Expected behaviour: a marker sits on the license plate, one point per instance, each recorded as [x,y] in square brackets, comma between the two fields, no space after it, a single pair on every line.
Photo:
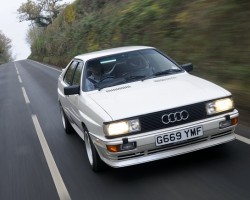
[178,136]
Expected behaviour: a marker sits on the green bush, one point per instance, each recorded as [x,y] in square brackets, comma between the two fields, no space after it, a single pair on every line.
[214,35]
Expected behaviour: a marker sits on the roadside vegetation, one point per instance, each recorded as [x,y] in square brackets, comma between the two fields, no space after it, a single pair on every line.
[212,34]
[5,46]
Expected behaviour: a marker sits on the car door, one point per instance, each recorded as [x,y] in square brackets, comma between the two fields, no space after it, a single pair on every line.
[74,99]
[67,81]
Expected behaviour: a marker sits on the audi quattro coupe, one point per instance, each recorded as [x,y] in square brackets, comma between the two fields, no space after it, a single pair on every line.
[133,105]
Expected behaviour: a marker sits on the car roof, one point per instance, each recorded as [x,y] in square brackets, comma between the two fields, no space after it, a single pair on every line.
[97,54]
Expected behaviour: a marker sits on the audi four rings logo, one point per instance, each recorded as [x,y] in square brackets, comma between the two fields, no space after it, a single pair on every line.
[174,117]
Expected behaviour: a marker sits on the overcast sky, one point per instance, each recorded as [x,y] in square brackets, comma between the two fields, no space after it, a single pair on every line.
[13,29]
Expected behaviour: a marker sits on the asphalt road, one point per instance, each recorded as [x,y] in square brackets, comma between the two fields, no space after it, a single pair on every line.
[39,161]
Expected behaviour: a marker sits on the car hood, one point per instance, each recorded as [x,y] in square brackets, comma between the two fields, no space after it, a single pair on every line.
[152,95]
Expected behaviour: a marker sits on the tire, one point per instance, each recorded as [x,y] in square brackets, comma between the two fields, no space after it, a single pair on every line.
[66,124]
[94,159]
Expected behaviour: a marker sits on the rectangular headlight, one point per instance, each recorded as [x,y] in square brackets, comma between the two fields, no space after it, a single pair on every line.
[219,105]
[122,127]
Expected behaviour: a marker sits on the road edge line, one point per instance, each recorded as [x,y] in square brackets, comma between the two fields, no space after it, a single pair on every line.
[60,186]
[242,139]
[45,65]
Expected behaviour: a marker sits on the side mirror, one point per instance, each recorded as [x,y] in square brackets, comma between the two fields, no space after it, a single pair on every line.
[187,67]
[71,90]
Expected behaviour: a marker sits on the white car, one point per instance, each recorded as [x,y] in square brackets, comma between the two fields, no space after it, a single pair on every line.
[144,107]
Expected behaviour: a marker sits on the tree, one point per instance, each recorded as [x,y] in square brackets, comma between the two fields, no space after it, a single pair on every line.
[33,34]
[69,14]
[5,46]
[41,12]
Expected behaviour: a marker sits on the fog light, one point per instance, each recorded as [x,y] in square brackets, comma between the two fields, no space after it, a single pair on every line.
[229,122]
[225,124]
[128,146]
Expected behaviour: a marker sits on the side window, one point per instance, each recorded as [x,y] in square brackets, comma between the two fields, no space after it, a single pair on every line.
[70,72]
[77,75]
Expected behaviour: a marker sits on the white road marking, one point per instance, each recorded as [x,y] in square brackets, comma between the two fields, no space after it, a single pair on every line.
[15,64]
[60,186]
[20,80]
[45,65]
[16,67]
[57,178]
[25,96]
[242,139]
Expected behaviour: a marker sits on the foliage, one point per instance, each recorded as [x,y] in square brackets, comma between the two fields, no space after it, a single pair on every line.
[5,46]
[41,12]
[69,14]
[213,34]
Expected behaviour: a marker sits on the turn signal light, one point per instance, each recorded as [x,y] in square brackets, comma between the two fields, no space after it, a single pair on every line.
[234,121]
[113,148]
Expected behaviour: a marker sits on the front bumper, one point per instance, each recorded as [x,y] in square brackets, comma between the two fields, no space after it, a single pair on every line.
[146,149]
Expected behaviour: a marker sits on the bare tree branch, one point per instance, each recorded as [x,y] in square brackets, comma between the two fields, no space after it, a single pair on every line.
[41,12]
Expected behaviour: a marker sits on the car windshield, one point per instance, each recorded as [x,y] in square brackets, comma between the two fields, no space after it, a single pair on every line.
[126,67]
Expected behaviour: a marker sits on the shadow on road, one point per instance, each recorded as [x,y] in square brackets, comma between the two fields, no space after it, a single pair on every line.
[168,167]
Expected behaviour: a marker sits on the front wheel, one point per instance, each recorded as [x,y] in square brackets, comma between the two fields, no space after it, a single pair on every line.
[94,159]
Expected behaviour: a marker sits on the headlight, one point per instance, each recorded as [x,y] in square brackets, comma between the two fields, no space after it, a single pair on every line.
[122,127]
[220,105]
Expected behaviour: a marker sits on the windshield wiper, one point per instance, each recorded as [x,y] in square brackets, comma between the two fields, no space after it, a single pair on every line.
[114,82]
[168,71]
[130,78]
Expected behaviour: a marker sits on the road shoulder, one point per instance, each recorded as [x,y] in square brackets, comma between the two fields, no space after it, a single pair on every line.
[243,131]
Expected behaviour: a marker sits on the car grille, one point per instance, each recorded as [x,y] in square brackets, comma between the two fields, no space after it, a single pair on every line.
[153,121]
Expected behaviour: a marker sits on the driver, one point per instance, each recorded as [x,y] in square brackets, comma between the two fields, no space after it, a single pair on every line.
[96,70]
